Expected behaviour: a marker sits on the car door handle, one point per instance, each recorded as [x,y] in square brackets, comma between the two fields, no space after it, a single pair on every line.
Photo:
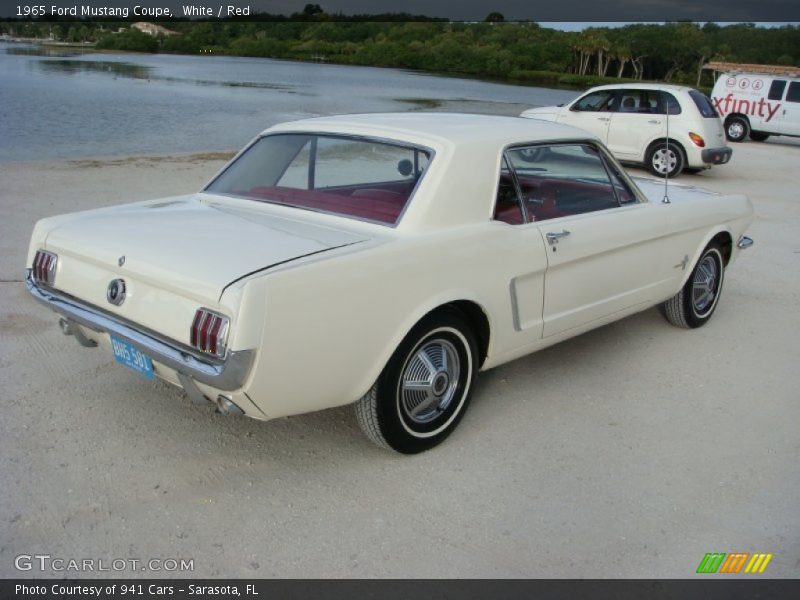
[603,118]
[554,236]
[654,121]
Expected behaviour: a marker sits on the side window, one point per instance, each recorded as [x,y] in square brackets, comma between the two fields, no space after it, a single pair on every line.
[595,102]
[507,207]
[559,180]
[793,95]
[776,89]
[667,103]
[630,101]
[639,101]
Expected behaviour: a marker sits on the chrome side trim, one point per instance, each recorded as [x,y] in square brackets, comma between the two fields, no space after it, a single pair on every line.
[225,375]
[744,242]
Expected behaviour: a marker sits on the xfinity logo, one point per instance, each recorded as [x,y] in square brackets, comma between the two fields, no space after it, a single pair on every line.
[115,293]
[762,108]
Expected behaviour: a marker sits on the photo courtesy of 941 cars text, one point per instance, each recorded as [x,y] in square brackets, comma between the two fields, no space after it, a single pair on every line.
[295,291]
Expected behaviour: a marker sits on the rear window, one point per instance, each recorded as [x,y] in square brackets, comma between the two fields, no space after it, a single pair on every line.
[353,177]
[704,104]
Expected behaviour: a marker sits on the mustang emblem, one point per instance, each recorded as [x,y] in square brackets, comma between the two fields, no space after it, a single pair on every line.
[115,293]
[121,260]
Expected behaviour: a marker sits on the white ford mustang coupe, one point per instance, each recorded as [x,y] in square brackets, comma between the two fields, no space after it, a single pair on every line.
[382,259]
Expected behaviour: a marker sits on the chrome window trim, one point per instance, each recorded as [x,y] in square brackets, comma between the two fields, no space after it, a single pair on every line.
[226,375]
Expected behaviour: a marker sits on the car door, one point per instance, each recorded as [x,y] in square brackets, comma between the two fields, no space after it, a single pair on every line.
[591,113]
[603,241]
[637,120]
[788,115]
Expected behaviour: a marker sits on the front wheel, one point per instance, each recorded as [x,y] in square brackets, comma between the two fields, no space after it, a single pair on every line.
[424,390]
[693,306]
[736,129]
[665,160]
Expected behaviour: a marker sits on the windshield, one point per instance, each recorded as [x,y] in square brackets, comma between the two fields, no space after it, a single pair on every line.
[353,177]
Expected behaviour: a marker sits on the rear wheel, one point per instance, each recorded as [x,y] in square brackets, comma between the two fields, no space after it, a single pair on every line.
[665,159]
[425,388]
[758,136]
[736,129]
[693,306]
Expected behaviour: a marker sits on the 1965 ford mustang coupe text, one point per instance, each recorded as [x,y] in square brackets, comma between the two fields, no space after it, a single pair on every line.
[384,260]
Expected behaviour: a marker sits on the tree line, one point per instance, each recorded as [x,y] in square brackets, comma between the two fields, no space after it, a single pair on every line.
[522,52]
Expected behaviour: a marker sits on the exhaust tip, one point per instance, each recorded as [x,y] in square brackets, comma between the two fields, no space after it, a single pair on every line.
[227,407]
[66,328]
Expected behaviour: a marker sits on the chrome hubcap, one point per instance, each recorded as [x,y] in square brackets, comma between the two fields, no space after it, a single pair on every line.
[429,381]
[704,287]
[735,130]
[664,161]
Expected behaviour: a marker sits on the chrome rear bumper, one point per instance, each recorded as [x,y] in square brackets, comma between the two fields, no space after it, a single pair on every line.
[226,375]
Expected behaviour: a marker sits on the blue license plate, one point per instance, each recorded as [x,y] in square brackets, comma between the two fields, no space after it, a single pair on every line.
[131,357]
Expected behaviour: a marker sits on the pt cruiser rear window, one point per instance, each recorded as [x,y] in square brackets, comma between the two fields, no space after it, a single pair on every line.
[704,104]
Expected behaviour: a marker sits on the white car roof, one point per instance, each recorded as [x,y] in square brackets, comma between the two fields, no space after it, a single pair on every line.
[643,86]
[435,129]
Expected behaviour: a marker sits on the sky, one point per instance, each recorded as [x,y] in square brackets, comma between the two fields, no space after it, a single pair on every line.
[574,11]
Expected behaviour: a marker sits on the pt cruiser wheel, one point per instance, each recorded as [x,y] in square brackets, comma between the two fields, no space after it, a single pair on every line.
[665,159]
[693,306]
[424,390]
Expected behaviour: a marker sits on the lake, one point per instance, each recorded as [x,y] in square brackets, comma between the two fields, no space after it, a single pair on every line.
[61,103]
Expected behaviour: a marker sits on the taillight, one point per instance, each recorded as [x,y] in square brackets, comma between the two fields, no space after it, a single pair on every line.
[44,267]
[209,331]
[697,139]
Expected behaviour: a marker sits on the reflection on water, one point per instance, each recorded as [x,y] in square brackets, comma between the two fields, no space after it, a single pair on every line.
[126,69]
[118,69]
[234,84]
[70,103]
[41,51]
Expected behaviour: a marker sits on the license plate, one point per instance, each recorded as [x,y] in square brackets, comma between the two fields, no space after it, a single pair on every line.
[131,357]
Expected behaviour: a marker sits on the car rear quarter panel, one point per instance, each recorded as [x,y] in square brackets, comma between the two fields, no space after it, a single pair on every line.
[329,325]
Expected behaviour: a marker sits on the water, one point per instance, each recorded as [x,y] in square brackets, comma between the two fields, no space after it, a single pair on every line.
[65,104]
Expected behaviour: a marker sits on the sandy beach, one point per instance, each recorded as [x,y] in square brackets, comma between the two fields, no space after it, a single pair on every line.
[630,451]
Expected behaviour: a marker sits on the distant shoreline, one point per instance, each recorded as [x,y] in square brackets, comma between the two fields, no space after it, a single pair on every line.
[544,79]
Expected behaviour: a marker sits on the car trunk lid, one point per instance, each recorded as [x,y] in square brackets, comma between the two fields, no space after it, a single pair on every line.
[191,244]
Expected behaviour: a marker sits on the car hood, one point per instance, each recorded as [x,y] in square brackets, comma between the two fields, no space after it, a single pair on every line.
[545,113]
[191,244]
